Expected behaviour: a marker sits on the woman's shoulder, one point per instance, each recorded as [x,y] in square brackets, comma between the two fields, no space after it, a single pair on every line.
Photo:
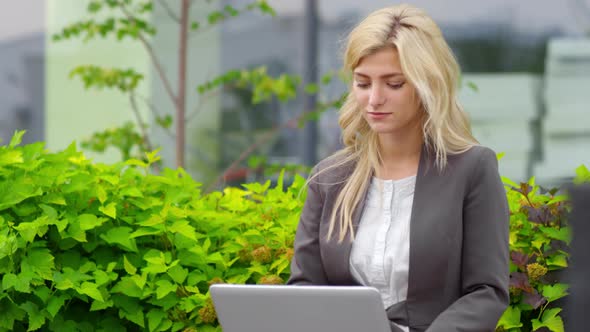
[334,168]
[474,156]
[475,164]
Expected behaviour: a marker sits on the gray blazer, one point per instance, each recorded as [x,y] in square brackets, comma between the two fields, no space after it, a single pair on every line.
[459,252]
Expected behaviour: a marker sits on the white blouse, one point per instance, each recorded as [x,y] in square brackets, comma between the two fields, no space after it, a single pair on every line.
[380,252]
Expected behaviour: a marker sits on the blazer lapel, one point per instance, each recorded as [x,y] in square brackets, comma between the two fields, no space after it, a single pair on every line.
[424,194]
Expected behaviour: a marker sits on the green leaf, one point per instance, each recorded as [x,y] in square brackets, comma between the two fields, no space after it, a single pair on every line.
[144,231]
[110,210]
[139,280]
[128,266]
[41,262]
[36,318]
[91,290]
[510,318]
[121,236]
[555,292]
[9,280]
[216,258]
[472,86]
[562,234]
[559,260]
[94,6]
[134,316]
[11,157]
[101,193]
[10,313]
[55,303]
[89,221]
[128,287]
[557,199]
[311,88]
[155,317]
[156,262]
[129,309]
[326,78]
[152,156]
[131,192]
[54,198]
[182,227]
[17,138]
[153,220]
[99,305]
[102,277]
[164,288]
[28,230]
[178,274]
[76,232]
[550,320]
[582,175]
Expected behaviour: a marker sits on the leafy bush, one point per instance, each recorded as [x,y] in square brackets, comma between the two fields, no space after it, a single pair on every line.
[94,247]
[539,252]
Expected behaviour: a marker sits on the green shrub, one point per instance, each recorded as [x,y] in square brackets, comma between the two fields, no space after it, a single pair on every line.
[539,239]
[93,247]
[539,252]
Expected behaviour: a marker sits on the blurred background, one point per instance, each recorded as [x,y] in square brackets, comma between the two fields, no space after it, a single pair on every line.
[525,85]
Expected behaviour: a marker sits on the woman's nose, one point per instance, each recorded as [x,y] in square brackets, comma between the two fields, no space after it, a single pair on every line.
[376,98]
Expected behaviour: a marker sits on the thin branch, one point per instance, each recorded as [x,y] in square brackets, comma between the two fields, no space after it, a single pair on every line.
[157,113]
[291,123]
[169,11]
[140,122]
[262,139]
[142,128]
[202,99]
[154,58]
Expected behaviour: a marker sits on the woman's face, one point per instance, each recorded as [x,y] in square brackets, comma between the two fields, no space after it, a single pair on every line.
[387,99]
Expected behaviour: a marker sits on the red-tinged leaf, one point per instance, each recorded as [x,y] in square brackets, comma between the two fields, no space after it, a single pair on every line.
[520,280]
[519,259]
[534,299]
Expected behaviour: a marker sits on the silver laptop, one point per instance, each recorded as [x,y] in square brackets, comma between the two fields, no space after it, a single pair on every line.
[265,308]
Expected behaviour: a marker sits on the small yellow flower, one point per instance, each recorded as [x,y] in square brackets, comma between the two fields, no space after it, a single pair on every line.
[536,271]
[216,280]
[262,255]
[271,280]
[207,312]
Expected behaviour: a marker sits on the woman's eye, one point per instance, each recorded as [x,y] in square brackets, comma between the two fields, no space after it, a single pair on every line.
[396,85]
[362,85]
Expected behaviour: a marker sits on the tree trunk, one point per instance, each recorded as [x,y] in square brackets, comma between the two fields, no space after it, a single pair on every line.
[181,97]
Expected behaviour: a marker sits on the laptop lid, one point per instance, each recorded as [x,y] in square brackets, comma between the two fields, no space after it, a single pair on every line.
[280,308]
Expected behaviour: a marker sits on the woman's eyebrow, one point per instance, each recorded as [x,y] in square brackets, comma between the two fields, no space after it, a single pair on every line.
[388,75]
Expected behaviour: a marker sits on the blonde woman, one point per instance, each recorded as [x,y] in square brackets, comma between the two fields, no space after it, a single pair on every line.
[412,205]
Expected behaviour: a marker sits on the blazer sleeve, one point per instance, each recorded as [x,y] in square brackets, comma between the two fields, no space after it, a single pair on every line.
[306,264]
[485,254]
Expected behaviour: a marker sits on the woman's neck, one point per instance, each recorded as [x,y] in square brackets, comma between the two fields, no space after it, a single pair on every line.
[400,155]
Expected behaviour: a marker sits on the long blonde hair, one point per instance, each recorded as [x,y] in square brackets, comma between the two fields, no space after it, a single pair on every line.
[429,64]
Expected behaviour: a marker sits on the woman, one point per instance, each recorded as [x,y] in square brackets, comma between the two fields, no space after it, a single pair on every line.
[412,205]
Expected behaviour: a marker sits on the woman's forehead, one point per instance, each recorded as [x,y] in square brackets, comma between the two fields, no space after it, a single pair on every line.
[382,64]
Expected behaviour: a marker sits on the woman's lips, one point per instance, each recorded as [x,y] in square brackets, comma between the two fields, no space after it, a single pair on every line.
[377,115]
